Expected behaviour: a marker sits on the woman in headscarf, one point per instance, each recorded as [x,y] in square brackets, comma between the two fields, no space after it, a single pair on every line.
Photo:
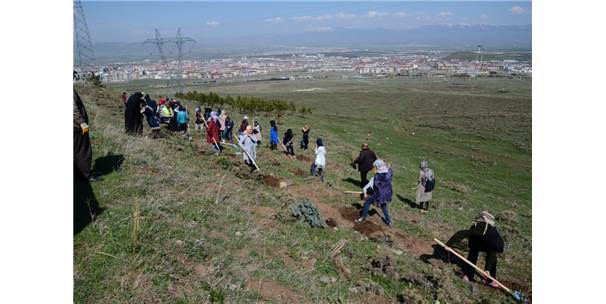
[273,135]
[134,118]
[257,130]
[222,118]
[382,191]
[212,132]
[150,114]
[249,146]
[287,142]
[305,140]
[483,237]
[426,182]
[317,168]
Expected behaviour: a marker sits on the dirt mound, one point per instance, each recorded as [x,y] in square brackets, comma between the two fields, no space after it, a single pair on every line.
[303,158]
[271,181]
[367,228]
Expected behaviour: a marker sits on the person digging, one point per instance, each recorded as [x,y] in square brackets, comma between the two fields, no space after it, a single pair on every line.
[483,237]
[382,191]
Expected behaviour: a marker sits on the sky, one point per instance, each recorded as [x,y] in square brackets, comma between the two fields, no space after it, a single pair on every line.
[134,21]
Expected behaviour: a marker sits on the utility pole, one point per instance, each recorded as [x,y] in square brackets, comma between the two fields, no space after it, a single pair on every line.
[85,54]
[179,40]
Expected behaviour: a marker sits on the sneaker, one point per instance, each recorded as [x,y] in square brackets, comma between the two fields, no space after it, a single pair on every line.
[360,220]
[465,278]
[492,283]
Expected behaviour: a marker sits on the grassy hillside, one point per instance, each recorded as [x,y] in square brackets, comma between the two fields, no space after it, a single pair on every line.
[168,234]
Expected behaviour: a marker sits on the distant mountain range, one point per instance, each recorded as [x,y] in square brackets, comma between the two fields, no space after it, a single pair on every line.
[426,37]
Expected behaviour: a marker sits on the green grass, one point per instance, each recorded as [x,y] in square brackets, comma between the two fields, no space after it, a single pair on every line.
[191,250]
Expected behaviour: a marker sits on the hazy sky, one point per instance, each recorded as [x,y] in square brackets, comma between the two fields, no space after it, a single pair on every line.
[134,21]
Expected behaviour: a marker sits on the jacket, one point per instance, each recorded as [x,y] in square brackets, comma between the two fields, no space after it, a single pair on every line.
[213,131]
[249,145]
[365,160]
[482,235]
[273,135]
[423,196]
[182,117]
[320,157]
[381,184]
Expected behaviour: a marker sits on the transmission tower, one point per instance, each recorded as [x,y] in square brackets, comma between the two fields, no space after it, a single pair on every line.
[158,41]
[480,55]
[179,41]
[85,54]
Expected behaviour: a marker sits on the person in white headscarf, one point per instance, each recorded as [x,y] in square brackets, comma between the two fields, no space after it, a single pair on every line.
[483,236]
[426,183]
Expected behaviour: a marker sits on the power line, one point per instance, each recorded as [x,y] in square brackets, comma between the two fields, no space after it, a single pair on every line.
[85,54]
[179,41]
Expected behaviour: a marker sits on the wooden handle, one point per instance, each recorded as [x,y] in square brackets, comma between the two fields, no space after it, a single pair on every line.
[480,271]
[353,192]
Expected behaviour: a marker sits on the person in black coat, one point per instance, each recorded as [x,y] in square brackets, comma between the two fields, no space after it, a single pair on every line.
[364,161]
[134,117]
[483,237]
[287,141]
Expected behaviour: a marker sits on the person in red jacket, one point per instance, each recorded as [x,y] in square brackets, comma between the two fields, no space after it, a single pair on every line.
[213,131]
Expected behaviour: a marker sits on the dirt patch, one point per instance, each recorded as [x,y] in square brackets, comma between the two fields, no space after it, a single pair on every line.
[273,291]
[412,245]
[299,172]
[271,181]
[463,189]
[303,158]
[384,267]
[367,228]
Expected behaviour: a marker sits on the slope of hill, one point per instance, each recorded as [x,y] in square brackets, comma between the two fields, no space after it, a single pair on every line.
[181,225]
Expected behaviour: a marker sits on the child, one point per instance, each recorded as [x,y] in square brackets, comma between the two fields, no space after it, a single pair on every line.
[273,135]
[287,141]
[317,168]
[382,191]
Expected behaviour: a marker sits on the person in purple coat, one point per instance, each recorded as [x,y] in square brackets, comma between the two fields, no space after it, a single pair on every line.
[382,191]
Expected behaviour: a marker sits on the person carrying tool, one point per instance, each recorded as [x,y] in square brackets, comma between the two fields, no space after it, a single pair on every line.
[287,142]
[273,135]
[212,132]
[426,183]
[382,191]
[365,161]
[483,237]
[249,146]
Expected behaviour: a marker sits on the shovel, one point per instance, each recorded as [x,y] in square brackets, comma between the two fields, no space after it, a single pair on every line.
[517,295]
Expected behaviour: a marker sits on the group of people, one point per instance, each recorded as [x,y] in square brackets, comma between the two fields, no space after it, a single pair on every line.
[167,111]
[482,235]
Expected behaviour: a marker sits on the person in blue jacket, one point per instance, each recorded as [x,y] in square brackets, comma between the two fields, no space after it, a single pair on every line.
[382,191]
[151,109]
[273,135]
